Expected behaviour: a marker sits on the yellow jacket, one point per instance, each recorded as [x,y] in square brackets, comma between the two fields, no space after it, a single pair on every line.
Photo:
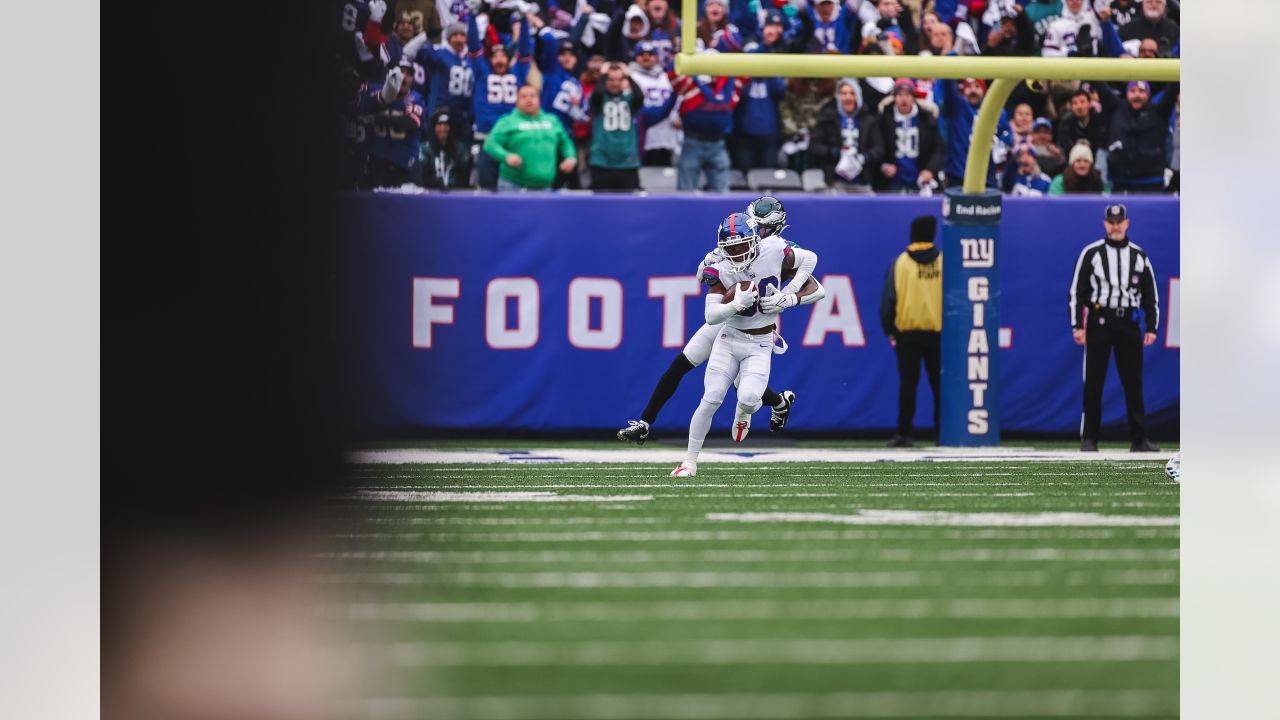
[912,297]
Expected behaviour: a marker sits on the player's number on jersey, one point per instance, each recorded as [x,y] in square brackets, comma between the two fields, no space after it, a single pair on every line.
[908,142]
[460,81]
[502,89]
[759,90]
[617,116]
[349,15]
[826,36]
[850,136]
[763,289]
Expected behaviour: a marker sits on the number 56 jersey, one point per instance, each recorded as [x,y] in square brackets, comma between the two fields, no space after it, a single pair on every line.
[765,270]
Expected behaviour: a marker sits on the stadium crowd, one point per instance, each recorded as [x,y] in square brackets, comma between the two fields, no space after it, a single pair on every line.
[535,94]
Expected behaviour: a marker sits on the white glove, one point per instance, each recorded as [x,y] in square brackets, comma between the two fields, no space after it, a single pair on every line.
[524,8]
[391,88]
[744,299]
[412,47]
[711,258]
[775,302]
[377,10]
[473,6]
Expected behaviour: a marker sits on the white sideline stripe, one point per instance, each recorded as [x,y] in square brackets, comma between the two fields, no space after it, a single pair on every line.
[757,455]
[502,557]
[986,519]
[779,651]
[940,704]
[771,534]
[750,580]
[715,610]
[440,496]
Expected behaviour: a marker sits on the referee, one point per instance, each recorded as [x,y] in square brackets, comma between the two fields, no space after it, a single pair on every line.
[1113,281]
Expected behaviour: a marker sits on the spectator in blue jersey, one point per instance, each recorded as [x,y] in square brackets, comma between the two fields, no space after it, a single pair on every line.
[396,111]
[847,143]
[756,128]
[664,29]
[446,159]
[1138,142]
[914,152]
[659,138]
[452,71]
[706,112]
[498,81]
[832,25]
[562,96]
[959,105]
[1024,177]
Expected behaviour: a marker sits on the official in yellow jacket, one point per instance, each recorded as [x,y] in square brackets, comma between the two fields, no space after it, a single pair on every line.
[911,315]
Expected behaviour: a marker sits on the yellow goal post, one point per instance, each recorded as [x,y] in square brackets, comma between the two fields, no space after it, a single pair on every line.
[1006,72]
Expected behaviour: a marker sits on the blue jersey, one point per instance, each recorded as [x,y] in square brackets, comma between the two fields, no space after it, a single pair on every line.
[452,78]
[495,94]
[561,90]
[834,35]
[850,137]
[396,128]
[906,138]
[758,107]
[959,117]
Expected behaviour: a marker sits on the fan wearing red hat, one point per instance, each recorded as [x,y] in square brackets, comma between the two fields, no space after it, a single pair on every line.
[959,104]
[913,145]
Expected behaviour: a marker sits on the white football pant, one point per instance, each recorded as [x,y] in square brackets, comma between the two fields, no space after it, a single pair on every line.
[735,355]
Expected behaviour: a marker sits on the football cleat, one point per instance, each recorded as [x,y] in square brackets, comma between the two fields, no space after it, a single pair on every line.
[741,426]
[778,416]
[636,431]
[1174,468]
[686,469]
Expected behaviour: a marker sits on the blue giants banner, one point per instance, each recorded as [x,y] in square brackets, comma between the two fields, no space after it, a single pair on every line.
[560,312]
[970,319]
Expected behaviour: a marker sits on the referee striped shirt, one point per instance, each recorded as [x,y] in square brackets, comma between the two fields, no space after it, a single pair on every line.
[1114,276]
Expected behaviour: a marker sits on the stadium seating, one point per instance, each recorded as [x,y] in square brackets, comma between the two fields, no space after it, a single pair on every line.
[773,180]
[813,180]
[658,179]
[737,180]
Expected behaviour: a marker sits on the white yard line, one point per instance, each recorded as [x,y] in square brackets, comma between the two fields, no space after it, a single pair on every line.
[779,651]
[486,496]
[771,534]
[756,455]
[748,579]
[810,555]
[922,517]
[751,610]
[746,706]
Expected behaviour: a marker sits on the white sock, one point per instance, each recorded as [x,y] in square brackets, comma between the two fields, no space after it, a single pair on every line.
[699,426]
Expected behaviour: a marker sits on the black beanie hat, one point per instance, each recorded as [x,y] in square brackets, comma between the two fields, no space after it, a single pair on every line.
[923,228]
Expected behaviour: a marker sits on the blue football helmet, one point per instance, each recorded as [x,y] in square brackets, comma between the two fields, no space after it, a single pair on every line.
[738,241]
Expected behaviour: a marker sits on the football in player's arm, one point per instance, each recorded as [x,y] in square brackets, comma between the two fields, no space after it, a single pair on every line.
[771,218]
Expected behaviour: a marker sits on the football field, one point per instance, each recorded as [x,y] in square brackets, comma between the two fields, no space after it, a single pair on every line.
[528,587]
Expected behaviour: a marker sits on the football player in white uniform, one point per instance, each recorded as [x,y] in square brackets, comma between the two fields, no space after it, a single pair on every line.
[743,351]
[769,218]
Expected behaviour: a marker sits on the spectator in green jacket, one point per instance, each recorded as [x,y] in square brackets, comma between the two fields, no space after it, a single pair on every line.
[530,144]
[1079,175]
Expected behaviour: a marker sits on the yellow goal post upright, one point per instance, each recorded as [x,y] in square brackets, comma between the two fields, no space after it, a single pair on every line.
[971,298]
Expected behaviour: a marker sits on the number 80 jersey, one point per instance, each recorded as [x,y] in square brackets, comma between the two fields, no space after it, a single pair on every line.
[765,270]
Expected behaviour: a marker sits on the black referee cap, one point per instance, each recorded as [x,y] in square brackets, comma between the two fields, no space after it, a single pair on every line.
[1116,213]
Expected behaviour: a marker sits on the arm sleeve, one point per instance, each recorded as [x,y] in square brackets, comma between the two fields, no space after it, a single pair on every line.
[1166,100]
[1111,43]
[1026,44]
[613,51]
[717,310]
[474,47]
[806,263]
[494,144]
[566,145]
[875,147]
[805,33]
[814,296]
[524,46]
[658,113]
[889,303]
[374,38]
[1150,297]
[595,101]
[545,56]
[949,96]
[637,98]
[1078,297]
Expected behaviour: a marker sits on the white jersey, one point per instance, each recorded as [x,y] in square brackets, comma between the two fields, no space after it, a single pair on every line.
[656,88]
[766,270]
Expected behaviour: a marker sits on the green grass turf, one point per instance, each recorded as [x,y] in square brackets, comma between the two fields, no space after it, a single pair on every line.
[674,438]
[647,608]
